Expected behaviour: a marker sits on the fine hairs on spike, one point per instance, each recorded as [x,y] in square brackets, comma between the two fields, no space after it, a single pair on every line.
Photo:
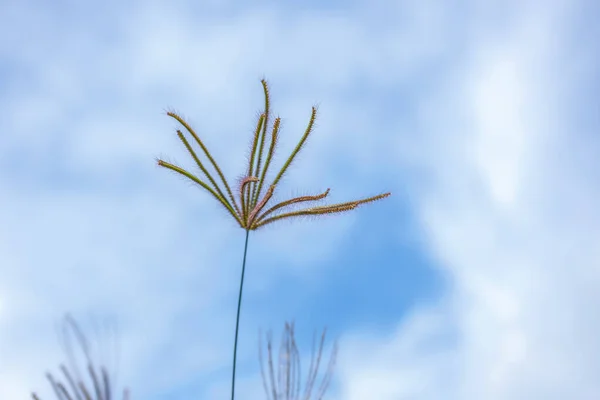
[249,199]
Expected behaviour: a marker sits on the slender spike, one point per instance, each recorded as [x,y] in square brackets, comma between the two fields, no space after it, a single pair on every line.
[274,137]
[293,201]
[255,136]
[271,370]
[313,373]
[65,371]
[288,362]
[312,362]
[310,211]
[298,376]
[298,147]
[310,368]
[281,365]
[210,158]
[64,391]
[327,209]
[245,206]
[251,172]
[260,206]
[85,392]
[210,178]
[328,373]
[86,351]
[262,137]
[95,381]
[106,382]
[54,385]
[374,198]
[357,202]
[262,369]
[204,185]
[69,321]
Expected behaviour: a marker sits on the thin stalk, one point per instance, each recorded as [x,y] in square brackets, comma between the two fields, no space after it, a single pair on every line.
[237,319]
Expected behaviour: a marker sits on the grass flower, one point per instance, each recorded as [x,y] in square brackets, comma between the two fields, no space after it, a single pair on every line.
[101,387]
[252,209]
[286,382]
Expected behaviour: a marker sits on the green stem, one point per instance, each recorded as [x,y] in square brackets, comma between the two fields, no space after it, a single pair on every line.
[237,320]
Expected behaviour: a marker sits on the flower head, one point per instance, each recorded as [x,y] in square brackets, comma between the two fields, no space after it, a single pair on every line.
[253,212]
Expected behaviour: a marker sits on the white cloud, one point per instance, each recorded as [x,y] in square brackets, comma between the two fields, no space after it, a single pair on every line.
[503,211]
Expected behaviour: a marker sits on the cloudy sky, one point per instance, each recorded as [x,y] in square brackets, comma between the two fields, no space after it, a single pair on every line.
[477,279]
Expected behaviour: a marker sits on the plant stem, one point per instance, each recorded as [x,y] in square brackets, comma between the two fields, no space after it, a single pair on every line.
[237,320]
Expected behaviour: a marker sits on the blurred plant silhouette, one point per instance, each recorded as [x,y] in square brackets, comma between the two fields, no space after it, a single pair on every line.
[286,382]
[100,385]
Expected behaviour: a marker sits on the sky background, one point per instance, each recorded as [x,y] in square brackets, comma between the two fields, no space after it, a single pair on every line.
[478,278]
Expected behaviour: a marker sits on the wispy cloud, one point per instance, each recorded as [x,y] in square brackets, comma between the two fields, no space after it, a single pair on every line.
[506,211]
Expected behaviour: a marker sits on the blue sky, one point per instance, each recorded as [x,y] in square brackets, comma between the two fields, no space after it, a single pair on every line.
[477,279]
